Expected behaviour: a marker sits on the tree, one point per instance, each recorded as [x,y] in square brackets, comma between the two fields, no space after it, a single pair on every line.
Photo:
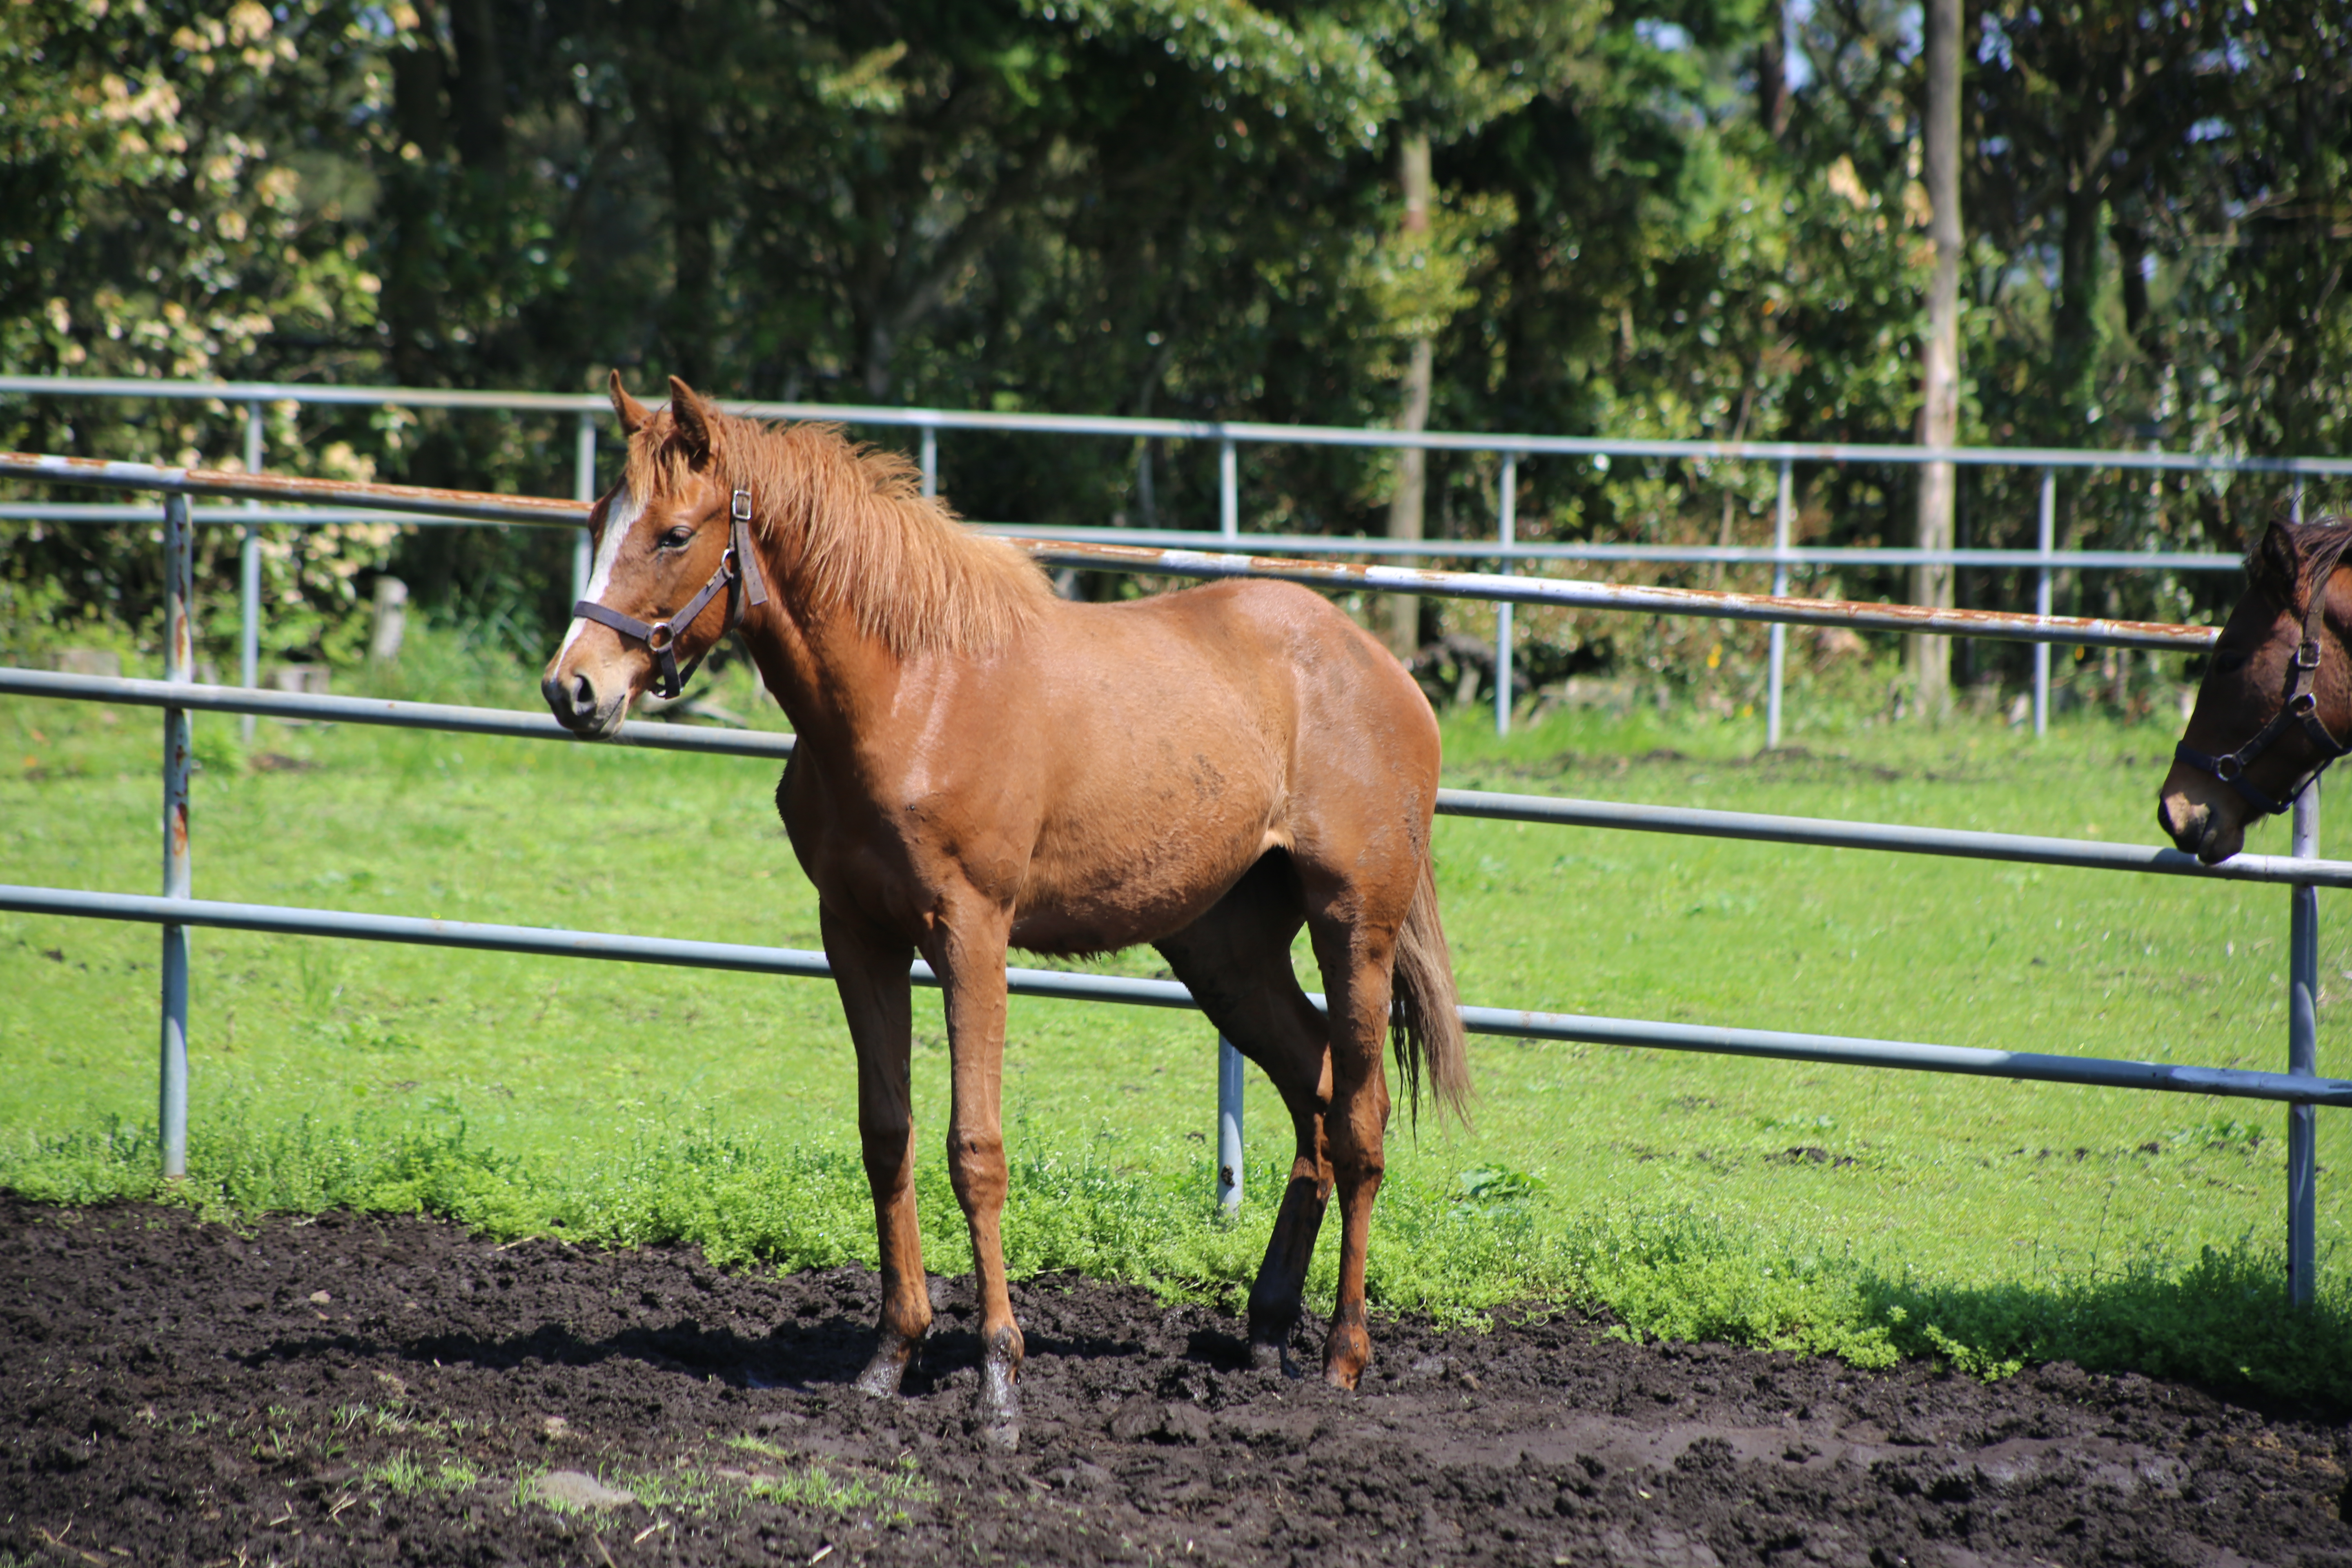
[1940,398]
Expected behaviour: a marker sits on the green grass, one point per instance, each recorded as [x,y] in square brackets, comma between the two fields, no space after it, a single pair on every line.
[1985,1222]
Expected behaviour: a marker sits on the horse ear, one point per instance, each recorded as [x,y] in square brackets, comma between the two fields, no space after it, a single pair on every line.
[2277,564]
[634,415]
[693,418]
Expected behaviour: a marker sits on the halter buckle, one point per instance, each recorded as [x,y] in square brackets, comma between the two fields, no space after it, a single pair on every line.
[2228,768]
[739,509]
[661,635]
[2307,654]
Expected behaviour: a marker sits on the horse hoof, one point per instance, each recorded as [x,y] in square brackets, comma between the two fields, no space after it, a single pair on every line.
[1349,1352]
[881,1377]
[999,1407]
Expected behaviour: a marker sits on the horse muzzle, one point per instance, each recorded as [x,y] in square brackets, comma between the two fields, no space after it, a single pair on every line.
[581,706]
[2210,828]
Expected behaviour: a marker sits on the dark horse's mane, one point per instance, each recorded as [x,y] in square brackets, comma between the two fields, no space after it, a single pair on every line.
[858,532]
[2321,539]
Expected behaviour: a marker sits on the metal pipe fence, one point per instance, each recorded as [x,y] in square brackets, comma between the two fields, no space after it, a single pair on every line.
[176,912]
[1228,436]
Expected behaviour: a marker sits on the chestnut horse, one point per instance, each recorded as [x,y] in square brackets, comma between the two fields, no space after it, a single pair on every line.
[2277,690]
[983,765]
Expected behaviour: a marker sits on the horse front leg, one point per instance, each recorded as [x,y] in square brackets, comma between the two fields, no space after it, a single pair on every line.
[969,958]
[871,975]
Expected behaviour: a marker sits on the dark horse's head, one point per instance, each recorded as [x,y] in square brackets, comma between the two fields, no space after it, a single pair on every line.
[2276,703]
[668,585]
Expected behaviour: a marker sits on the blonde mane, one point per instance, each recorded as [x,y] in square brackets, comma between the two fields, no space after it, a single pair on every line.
[850,527]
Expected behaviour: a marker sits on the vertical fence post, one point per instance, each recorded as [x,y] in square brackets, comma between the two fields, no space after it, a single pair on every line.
[248,578]
[1229,489]
[2302,1058]
[2046,541]
[1781,509]
[1229,1126]
[583,487]
[2295,502]
[1507,530]
[179,660]
[930,459]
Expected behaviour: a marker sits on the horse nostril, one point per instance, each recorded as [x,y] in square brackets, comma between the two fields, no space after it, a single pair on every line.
[583,694]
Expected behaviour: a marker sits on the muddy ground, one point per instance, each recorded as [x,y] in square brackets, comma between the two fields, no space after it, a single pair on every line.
[371,1391]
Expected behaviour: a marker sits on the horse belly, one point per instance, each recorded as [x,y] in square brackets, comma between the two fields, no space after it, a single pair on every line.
[1094,888]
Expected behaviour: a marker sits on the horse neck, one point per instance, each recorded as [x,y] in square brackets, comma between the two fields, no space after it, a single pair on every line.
[830,678]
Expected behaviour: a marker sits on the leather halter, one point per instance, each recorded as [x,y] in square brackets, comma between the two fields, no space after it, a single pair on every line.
[2301,707]
[739,574]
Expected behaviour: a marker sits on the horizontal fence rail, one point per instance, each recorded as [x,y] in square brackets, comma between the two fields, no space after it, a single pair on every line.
[1772,1045]
[326,708]
[1281,543]
[1712,604]
[2079,853]
[1716,604]
[596,405]
[1686,554]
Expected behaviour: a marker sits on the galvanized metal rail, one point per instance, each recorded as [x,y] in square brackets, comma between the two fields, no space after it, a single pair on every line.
[323,708]
[1769,1045]
[594,405]
[2080,853]
[1711,604]
[1332,575]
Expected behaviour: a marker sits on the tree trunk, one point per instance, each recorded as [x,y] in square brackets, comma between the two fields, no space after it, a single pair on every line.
[1413,464]
[1772,69]
[480,91]
[412,283]
[690,321]
[2074,322]
[1930,659]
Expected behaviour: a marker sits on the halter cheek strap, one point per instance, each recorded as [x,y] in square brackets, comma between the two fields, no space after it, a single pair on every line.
[737,573]
[2301,707]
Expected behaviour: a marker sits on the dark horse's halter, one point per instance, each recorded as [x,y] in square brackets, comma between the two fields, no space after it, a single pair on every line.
[737,569]
[2301,705]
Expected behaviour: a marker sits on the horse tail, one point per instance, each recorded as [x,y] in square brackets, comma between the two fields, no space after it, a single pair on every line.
[1425,1011]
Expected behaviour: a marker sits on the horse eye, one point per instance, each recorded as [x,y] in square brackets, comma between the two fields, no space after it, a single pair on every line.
[678,538]
[2229,660]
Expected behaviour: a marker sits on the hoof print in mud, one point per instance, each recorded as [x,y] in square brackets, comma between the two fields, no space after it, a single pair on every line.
[1144,1419]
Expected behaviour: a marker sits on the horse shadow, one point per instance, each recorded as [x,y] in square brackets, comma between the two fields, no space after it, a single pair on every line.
[807,1356]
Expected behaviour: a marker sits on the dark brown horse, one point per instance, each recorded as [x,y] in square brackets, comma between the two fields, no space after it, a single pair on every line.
[2276,703]
[982,765]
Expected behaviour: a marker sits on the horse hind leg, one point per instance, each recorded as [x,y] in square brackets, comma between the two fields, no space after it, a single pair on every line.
[1357,957]
[1235,960]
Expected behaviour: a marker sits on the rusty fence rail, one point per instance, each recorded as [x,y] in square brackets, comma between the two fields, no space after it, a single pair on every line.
[177,911]
[2045,561]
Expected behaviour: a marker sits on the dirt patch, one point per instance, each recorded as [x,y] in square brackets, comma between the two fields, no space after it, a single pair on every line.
[369,1391]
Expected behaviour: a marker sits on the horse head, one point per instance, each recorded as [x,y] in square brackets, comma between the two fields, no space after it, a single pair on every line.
[674,567]
[2277,693]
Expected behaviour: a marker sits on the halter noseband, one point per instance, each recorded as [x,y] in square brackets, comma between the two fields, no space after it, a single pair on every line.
[2301,707]
[738,569]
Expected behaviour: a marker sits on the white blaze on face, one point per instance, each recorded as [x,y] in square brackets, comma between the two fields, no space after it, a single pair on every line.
[620,518]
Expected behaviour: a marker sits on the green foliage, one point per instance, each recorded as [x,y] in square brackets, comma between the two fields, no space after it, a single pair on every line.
[1151,207]
[405,1474]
